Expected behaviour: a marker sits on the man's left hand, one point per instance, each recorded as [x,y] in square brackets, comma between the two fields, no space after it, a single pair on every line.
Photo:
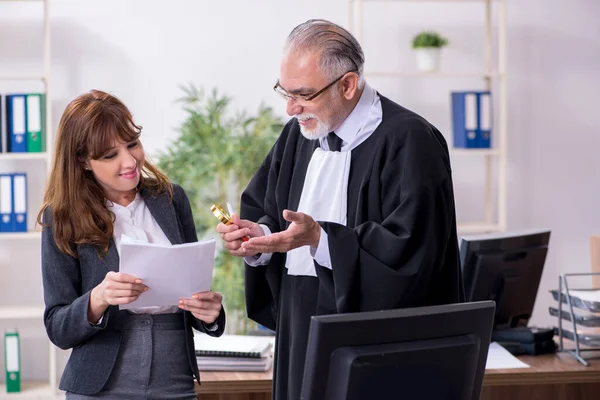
[302,231]
[205,306]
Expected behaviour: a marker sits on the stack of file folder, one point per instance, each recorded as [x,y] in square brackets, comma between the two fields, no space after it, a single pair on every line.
[472,119]
[25,123]
[13,202]
[586,315]
[234,352]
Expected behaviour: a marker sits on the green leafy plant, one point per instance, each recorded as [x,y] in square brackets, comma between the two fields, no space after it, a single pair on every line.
[427,39]
[213,159]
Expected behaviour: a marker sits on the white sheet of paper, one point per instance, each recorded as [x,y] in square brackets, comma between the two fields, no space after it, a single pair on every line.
[500,358]
[170,272]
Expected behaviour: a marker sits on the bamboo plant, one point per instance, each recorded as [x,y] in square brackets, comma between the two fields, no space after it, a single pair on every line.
[213,159]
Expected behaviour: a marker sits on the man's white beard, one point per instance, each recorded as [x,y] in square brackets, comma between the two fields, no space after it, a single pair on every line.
[319,131]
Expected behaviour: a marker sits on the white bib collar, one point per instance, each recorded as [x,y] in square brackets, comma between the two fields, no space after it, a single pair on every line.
[325,198]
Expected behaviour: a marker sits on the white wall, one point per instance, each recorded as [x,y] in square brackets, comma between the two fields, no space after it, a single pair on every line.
[555,131]
[141,50]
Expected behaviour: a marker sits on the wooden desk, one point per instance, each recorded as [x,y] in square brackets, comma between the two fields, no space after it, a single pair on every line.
[235,385]
[551,377]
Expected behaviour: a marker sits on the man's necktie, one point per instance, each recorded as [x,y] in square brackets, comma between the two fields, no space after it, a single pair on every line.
[334,142]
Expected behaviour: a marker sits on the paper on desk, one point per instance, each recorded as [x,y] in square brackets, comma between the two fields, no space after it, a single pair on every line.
[170,271]
[500,358]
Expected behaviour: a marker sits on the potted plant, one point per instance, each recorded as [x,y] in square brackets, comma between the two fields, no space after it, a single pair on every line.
[213,159]
[428,46]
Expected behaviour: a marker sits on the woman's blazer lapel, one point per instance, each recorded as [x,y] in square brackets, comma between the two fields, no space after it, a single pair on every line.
[162,209]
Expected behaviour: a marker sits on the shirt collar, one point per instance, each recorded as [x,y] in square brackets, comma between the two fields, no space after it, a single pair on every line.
[129,209]
[351,126]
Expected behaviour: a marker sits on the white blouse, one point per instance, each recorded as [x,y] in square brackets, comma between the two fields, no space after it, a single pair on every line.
[136,221]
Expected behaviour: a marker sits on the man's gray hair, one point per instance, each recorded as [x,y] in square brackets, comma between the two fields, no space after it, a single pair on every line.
[340,51]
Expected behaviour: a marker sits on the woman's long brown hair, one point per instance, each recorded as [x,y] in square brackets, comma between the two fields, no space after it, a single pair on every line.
[87,130]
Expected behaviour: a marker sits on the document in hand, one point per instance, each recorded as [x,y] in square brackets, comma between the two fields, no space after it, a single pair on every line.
[170,272]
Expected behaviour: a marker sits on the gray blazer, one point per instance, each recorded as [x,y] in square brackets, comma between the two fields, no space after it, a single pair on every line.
[68,282]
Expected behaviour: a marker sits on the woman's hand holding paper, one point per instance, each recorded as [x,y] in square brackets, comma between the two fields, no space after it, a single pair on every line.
[205,306]
[117,288]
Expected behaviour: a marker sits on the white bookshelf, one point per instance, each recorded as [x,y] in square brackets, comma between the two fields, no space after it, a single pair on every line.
[477,227]
[418,1]
[35,235]
[15,313]
[474,152]
[23,156]
[29,390]
[495,192]
[18,77]
[440,74]
[21,312]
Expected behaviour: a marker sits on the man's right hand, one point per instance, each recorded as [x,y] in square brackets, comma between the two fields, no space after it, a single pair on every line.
[233,233]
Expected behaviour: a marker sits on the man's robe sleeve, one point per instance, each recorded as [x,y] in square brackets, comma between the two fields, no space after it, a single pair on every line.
[262,283]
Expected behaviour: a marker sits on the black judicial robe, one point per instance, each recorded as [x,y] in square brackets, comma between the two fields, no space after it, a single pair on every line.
[399,248]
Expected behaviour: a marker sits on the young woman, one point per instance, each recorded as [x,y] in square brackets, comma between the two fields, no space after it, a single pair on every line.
[102,186]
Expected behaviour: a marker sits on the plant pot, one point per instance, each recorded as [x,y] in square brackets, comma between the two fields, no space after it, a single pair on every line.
[428,59]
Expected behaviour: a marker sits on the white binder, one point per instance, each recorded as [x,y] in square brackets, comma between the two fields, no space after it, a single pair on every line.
[6,206]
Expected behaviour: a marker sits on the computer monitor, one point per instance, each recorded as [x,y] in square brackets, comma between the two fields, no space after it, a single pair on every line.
[505,268]
[436,352]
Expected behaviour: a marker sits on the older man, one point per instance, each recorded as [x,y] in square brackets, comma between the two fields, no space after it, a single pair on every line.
[353,208]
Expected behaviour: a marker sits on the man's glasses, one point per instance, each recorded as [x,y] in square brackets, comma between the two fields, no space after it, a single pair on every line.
[305,97]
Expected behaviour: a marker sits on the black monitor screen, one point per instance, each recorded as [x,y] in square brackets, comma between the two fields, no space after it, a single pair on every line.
[434,352]
[505,268]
